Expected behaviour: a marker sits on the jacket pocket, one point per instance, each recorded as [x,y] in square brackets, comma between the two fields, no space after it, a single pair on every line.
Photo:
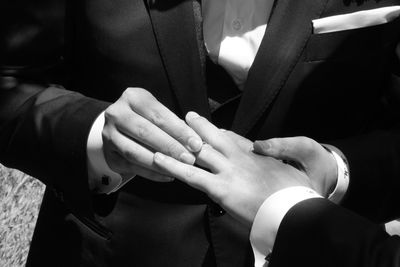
[351,44]
[356,20]
[86,224]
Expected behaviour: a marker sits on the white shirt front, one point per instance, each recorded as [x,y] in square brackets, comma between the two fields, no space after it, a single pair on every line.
[233,31]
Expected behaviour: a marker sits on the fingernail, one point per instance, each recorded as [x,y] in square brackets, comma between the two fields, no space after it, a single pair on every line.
[187,158]
[191,115]
[195,144]
[266,145]
[158,157]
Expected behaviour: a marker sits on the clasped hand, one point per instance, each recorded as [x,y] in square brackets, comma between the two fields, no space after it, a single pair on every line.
[231,173]
[136,126]
[143,137]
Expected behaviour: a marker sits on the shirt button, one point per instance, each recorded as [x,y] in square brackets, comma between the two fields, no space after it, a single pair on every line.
[237,24]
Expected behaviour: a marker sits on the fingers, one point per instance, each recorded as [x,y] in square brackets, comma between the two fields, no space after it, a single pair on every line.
[209,133]
[189,174]
[211,159]
[127,169]
[147,106]
[152,175]
[125,156]
[127,148]
[140,129]
[297,149]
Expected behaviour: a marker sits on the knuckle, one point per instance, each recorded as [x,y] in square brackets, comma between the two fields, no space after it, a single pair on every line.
[116,115]
[220,192]
[185,133]
[111,113]
[142,132]
[265,144]
[137,97]
[124,119]
[143,94]
[173,149]
[190,172]
[278,141]
[206,149]
[233,135]
[308,144]
[283,148]
[305,140]
[229,134]
[273,142]
[130,92]
[157,118]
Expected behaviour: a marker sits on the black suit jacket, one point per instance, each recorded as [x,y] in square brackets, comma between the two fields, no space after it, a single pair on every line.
[338,88]
[318,233]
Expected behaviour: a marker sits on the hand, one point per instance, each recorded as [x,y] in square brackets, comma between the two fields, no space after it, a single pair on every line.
[239,180]
[308,155]
[136,126]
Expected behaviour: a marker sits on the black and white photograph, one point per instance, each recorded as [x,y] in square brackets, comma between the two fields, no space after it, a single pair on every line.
[200,133]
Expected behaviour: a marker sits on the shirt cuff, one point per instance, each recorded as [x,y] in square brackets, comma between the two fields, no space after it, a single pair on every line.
[269,217]
[343,179]
[101,176]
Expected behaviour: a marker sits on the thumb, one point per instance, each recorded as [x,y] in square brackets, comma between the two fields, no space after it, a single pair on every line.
[296,149]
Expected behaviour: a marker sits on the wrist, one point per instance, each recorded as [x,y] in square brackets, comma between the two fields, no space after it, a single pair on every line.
[332,178]
[343,180]
[339,187]
[269,217]
[101,178]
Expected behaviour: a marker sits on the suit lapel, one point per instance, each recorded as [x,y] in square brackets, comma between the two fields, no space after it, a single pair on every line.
[177,34]
[287,33]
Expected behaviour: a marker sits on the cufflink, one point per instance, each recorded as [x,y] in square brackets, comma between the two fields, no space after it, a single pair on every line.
[268,257]
[59,195]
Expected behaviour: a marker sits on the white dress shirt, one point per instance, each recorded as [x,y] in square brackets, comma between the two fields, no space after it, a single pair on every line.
[233,30]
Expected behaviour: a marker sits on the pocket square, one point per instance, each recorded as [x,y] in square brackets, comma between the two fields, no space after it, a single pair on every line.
[360,19]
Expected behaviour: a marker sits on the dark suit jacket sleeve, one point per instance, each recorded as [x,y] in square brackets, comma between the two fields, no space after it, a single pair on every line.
[374,157]
[317,233]
[43,127]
